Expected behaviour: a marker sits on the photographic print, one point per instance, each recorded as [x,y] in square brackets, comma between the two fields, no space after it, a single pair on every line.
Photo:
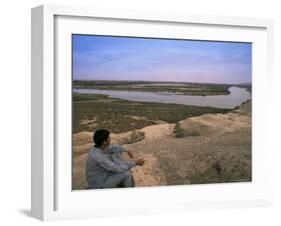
[159,112]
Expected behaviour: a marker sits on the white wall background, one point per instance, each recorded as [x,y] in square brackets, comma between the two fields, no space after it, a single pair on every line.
[15,111]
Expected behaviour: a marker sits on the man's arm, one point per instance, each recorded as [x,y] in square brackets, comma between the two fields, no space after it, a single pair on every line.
[114,167]
[118,159]
[115,148]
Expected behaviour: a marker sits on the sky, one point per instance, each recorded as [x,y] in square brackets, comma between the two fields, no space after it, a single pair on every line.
[147,59]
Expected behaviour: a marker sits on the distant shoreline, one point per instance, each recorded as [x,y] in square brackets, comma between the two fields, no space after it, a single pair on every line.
[166,81]
[195,89]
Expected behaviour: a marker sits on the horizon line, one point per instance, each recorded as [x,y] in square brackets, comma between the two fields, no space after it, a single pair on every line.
[122,80]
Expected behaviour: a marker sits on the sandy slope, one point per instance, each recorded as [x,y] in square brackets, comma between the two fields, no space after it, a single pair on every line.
[221,153]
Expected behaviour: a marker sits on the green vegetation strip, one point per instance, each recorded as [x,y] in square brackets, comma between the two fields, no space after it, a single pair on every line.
[93,111]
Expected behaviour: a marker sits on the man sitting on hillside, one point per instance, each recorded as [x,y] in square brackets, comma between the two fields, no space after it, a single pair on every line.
[105,167]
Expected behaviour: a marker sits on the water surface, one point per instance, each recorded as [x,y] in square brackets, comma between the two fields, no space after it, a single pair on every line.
[235,98]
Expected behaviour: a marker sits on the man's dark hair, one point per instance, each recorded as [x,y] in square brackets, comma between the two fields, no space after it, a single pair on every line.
[100,136]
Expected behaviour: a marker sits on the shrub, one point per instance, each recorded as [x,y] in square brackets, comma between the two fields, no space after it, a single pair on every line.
[178,131]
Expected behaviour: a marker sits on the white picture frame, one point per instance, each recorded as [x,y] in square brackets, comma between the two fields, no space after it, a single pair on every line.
[52,197]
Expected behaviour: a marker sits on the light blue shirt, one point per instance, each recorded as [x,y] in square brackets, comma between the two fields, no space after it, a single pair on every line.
[99,165]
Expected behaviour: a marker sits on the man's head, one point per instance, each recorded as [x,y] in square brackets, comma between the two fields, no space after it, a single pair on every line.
[101,138]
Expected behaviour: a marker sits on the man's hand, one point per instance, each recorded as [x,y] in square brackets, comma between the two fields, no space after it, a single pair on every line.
[140,162]
[130,154]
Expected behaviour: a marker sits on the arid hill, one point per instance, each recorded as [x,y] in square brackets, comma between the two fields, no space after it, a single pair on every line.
[210,148]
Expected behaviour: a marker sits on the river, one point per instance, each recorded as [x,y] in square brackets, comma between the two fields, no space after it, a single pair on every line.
[236,97]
